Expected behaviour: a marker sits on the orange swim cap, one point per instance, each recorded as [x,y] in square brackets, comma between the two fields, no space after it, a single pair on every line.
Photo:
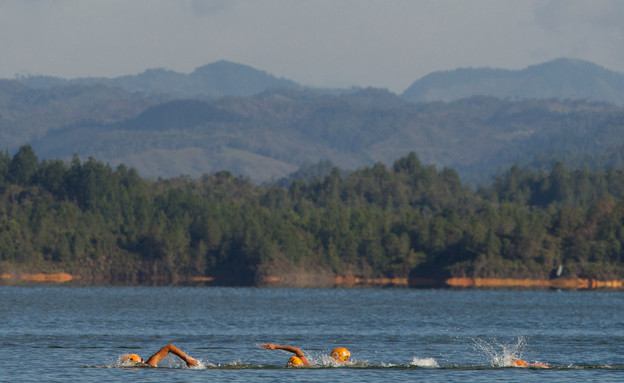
[294,361]
[341,354]
[519,363]
[134,358]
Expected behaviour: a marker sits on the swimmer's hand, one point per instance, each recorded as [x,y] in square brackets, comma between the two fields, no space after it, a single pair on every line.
[192,362]
[269,346]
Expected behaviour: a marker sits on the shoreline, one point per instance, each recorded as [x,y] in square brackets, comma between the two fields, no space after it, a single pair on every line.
[557,283]
[347,281]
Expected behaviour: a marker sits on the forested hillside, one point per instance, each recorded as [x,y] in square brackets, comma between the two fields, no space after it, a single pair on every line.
[218,79]
[271,135]
[408,219]
[27,114]
[561,78]
[227,116]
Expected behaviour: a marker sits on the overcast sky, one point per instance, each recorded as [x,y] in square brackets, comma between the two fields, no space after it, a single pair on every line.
[386,43]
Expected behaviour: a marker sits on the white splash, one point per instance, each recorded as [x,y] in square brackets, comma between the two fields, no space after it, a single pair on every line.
[328,361]
[424,362]
[501,355]
[167,362]
[203,364]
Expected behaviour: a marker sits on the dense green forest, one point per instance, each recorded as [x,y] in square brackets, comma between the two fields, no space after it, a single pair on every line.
[87,218]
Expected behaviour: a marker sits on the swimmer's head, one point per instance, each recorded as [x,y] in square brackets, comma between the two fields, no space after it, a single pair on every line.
[294,361]
[132,358]
[341,354]
[518,363]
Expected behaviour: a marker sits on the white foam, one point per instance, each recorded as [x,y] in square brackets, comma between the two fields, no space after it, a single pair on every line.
[326,361]
[501,355]
[167,362]
[203,364]
[424,362]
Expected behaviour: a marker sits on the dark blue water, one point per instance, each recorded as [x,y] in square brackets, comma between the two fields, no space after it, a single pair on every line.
[79,333]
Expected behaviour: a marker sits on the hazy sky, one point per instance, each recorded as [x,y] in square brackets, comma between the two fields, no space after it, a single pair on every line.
[386,43]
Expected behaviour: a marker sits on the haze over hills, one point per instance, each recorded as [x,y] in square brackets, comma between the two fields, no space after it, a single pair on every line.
[561,78]
[270,135]
[221,78]
[165,124]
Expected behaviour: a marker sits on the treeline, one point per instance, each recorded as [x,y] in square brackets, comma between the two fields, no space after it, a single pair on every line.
[107,224]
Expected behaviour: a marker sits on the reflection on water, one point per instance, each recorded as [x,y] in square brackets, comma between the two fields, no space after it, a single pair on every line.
[78,333]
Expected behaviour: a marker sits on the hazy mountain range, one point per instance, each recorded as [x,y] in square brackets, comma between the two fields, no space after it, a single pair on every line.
[227,116]
[218,79]
[562,78]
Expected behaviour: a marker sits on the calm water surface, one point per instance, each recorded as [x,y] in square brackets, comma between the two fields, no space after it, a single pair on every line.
[58,334]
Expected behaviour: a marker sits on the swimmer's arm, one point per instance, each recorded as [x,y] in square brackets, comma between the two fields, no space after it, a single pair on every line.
[294,350]
[158,356]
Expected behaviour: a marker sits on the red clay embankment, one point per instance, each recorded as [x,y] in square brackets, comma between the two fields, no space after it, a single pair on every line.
[558,283]
[326,280]
[40,277]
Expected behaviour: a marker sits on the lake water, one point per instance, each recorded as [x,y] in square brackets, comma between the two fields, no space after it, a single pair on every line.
[60,334]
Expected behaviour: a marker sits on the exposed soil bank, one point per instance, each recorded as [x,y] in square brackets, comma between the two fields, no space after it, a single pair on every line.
[559,283]
[326,280]
[40,277]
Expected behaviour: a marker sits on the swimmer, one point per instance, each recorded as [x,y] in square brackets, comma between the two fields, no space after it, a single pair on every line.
[522,363]
[158,356]
[294,361]
[340,354]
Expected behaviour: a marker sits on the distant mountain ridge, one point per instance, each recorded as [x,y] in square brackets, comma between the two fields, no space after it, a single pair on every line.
[561,78]
[272,133]
[218,79]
